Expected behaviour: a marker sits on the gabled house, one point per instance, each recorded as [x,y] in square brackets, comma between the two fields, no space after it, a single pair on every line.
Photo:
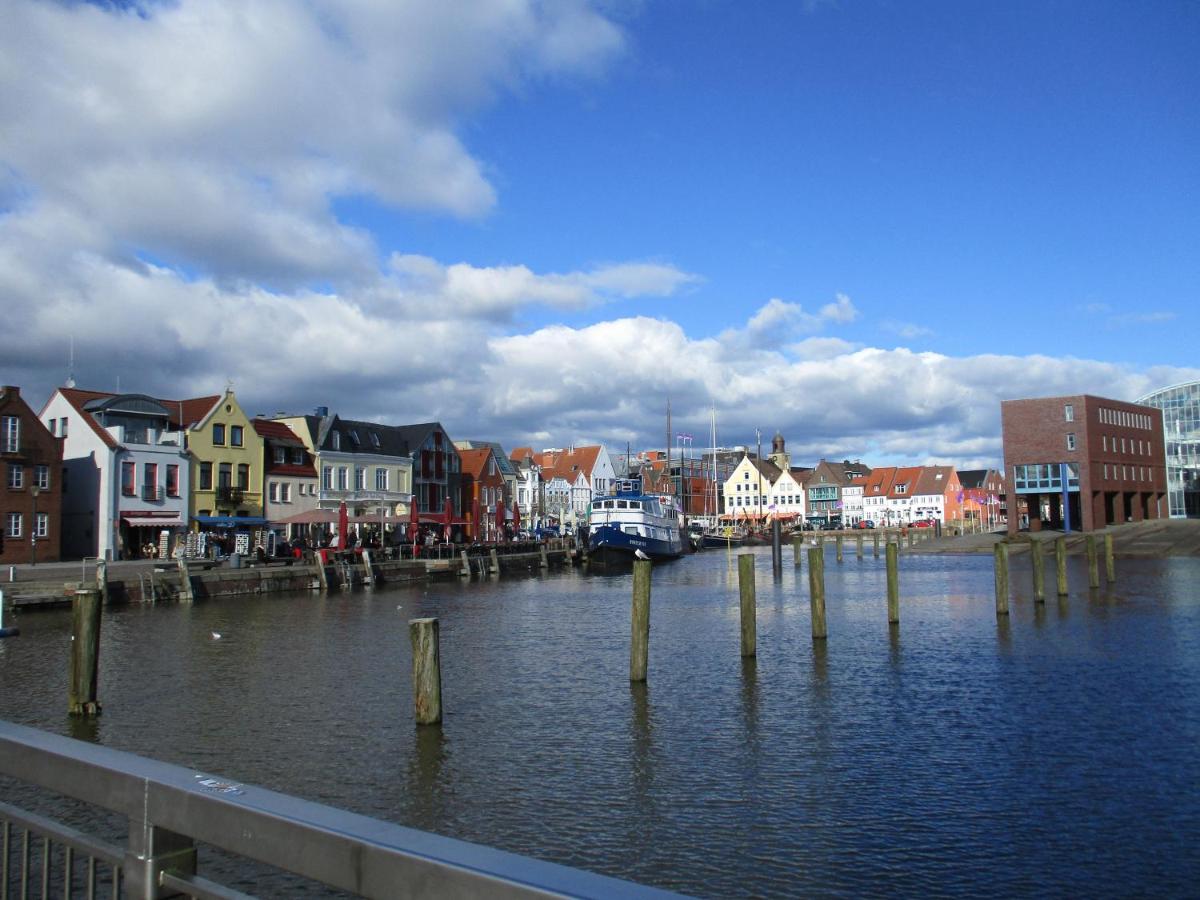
[747,491]
[226,468]
[31,497]
[823,488]
[530,495]
[937,495]
[900,497]
[291,477]
[483,493]
[877,488]
[127,470]
[584,473]
[508,470]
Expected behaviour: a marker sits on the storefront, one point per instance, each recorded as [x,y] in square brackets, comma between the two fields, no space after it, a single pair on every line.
[220,536]
[149,535]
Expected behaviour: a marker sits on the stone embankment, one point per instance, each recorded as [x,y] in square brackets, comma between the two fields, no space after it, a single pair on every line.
[1154,539]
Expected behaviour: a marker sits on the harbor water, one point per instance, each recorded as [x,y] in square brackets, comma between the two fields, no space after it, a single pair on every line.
[1052,752]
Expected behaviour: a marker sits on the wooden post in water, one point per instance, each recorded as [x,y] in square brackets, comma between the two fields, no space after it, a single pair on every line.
[425,637]
[1110,569]
[1060,564]
[1093,562]
[1039,571]
[495,561]
[816,591]
[875,542]
[639,641]
[746,593]
[893,584]
[186,594]
[322,576]
[797,550]
[837,543]
[858,540]
[102,580]
[84,667]
[1001,566]
[912,537]
[776,549]
[545,563]
[368,572]
[465,571]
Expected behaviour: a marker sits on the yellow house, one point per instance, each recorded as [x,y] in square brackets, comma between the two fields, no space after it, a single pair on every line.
[227,467]
[748,489]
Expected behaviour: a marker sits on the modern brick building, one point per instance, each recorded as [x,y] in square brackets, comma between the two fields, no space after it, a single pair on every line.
[1082,462]
[31,495]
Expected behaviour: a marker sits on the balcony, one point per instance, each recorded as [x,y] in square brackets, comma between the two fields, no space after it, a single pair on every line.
[151,492]
[230,495]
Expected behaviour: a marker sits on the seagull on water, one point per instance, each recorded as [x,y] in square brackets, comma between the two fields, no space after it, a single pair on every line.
[639,553]
[216,635]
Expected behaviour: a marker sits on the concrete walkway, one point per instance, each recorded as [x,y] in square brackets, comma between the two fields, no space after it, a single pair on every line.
[1156,539]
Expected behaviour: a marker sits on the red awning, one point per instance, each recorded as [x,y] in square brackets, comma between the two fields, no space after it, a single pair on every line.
[145,520]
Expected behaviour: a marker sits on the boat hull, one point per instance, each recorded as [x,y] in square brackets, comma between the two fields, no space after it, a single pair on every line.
[607,545]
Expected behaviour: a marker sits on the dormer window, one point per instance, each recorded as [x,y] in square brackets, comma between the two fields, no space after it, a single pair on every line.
[374,439]
[337,440]
[354,436]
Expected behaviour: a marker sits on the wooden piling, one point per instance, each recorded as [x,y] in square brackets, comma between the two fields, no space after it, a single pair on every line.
[1039,571]
[84,666]
[816,592]
[1093,562]
[465,571]
[1110,569]
[102,580]
[777,549]
[425,637]
[912,537]
[1001,570]
[858,540]
[639,641]
[495,559]
[747,595]
[875,544]
[322,575]
[186,593]
[545,562]
[893,583]
[797,550]
[837,543]
[368,572]
[1060,564]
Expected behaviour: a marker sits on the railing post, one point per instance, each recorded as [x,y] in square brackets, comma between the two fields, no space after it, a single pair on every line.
[153,850]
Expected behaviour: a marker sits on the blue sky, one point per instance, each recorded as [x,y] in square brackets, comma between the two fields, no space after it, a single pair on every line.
[861,223]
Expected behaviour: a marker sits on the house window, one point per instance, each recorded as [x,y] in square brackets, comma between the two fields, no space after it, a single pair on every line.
[172,481]
[206,476]
[10,433]
[42,525]
[381,479]
[491,466]
[127,477]
[218,434]
[42,477]
[235,435]
[280,455]
[337,440]
[62,427]
[1069,412]
[225,475]
[343,477]
[53,426]
[285,493]
[150,481]
[16,475]
[374,439]
[13,529]
[1070,440]
[360,478]
[297,456]
[272,492]
[327,478]
[244,476]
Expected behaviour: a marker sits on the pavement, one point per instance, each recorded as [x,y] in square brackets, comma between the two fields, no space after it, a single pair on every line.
[1154,539]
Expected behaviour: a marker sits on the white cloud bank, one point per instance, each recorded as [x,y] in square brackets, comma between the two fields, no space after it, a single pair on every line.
[168,175]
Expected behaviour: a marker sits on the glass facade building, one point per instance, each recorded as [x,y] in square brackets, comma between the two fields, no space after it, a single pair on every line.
[1180,406]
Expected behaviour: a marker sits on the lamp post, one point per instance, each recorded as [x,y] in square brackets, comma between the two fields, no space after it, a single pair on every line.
[33,526]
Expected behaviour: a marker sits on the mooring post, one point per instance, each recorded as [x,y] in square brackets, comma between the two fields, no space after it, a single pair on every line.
[1060,564]
[893,583]
[797,550]
[1001,566]
[102,580]
[912,537]
[185,581]
[11,631]
[465,571]
[494,557]
[747,595]
[858,540]
[777,549]
[639,642]
[875,542]
[1093,562]
[1110,569]
[425,637]
[1039,571]
[545,558]
[322,576]
[837,543]
[816,591]
[84,666]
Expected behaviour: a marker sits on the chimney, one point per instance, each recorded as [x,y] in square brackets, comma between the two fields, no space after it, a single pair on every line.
[322,411]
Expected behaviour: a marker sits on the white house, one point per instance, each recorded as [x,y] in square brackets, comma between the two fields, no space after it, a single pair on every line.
[853,503]
[125,471]
[747,490]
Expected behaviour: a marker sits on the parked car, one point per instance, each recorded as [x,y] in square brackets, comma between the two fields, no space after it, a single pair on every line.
[546,531]
[865,523]
[924,523]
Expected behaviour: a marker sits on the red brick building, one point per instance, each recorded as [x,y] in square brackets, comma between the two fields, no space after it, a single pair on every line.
[1082,462]
[31,494]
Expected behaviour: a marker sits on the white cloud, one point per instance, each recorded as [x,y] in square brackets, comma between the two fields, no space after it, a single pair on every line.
[906,330]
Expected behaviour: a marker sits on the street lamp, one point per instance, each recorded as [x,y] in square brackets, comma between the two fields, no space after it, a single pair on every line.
[33,529]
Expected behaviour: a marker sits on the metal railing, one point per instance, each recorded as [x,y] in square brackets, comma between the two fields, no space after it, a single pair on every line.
[169,808]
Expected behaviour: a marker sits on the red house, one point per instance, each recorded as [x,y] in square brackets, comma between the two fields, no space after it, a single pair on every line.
[31,498]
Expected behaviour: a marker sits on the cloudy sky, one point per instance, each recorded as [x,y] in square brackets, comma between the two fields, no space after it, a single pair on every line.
[858,222]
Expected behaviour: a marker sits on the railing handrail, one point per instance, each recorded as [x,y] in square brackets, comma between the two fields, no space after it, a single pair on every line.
[337,848]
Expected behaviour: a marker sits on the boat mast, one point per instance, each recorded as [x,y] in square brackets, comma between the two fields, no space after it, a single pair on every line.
[667,470]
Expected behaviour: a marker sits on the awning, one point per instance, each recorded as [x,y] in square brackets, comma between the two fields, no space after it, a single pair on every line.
[230,521]
[134,520]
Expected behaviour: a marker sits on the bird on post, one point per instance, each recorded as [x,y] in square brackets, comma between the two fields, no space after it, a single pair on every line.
[639,553]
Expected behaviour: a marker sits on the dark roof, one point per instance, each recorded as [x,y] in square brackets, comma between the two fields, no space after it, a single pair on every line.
[371,437]
[972,478]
